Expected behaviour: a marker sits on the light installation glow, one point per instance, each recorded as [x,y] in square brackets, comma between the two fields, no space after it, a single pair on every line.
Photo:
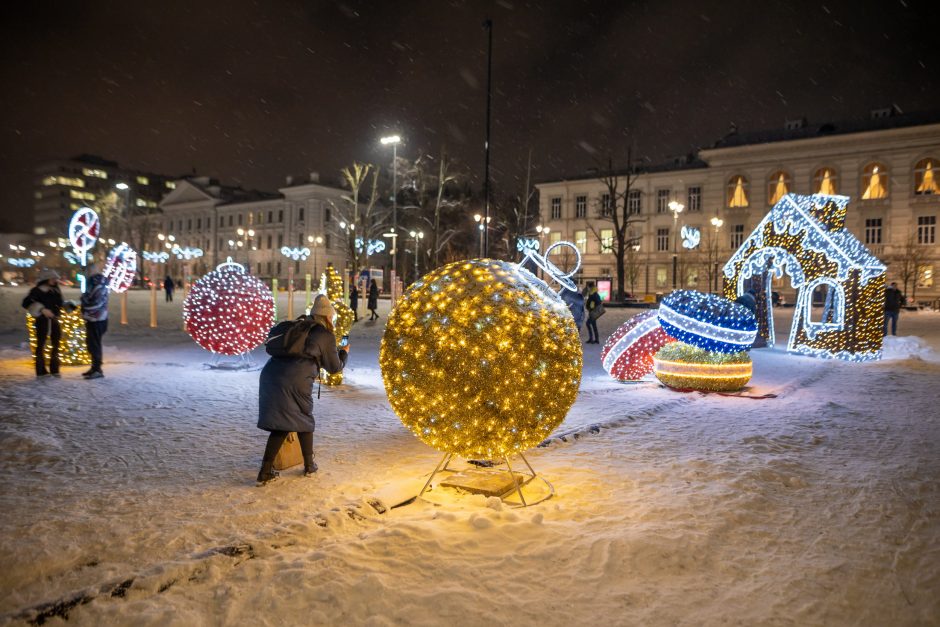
[682,366]
[83,230]
[706,321]
[73,350]
[331,284]
[74,259]
[481,359]
[527,243]
[228,311]
[297,254]
[121,268]
[691,237]
[21,262]
[375,246]
[628,353]
[805,237]
[186,253]
[157,257]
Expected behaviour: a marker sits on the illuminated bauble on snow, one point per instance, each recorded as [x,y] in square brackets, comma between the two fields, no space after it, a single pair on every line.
[331,284]
[229,311]
[121,268]
[706,321]
[681,366]
[481,359]
[73,349]
[628,353]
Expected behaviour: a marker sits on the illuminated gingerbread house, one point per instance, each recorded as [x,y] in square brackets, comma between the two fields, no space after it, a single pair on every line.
[805,237]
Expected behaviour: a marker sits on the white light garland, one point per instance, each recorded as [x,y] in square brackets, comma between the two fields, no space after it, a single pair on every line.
[691,237]
[297,254]
[186,253]
[157,257]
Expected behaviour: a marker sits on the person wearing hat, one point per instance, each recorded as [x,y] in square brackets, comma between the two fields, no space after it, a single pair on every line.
[95,314]
[285,403]
[44,303]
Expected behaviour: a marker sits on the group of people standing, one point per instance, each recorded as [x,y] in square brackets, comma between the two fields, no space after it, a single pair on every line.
[372,301]
[585,304]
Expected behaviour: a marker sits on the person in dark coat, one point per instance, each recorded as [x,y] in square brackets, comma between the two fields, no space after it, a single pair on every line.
[44,303]
[592,302]
[748,300]
[894,300]
[373,302]
[95,314]
[285,403]
[168,288]
[575,302]
[354,301]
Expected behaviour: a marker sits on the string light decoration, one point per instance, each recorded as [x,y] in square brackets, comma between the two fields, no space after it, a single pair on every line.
[121,268]
[21,262]
[709,322]
[481,359]
[331,284]
[681,366]
[228,311]
[628,353]
[73,350]
[157,257]
[691,237]
[805,237]
[297,254]
[186,253]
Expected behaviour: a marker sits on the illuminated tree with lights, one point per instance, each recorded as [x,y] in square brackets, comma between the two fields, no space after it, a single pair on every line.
[331,284]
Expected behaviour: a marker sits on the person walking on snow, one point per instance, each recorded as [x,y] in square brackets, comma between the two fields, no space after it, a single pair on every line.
[354,301]
[95,314]
[592,303]
[373,303]
[285,402]
[894,300]
[575,302]
[44,303]
[168,288]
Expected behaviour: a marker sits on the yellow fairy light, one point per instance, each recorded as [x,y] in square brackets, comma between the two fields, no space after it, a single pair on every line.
[683,366]
[73,350]
[331,284]
[480,359]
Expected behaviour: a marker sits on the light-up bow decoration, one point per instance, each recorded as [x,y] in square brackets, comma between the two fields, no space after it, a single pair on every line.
[187,253]
[75,259]
[297,254]
[375,246]
[22,263]
[121,268]
[157,257]
[559,275]
[691,237]
[527,243]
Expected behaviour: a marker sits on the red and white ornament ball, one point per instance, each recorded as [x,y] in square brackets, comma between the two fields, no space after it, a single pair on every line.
[628,353]
[229,311]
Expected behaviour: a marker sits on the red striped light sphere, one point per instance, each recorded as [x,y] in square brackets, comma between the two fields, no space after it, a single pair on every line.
[228,311]
[628,353]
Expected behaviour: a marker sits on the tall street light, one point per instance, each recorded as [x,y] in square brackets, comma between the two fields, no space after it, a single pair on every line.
[246,235]
[394,140]
[676,208]
[416,236]
[716,222]
[126,190]
[315,241]
[482,224]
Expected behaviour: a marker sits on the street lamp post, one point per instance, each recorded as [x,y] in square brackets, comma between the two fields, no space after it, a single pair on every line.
[716,222]
[246,236]
[416,236]
[676,208]
[314,241]
[482,225]
[394,140]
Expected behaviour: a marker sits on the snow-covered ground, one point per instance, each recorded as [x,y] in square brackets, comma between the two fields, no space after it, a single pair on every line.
[131,499]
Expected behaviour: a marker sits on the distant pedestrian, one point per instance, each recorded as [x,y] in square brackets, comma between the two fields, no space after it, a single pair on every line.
[894,300]
[373,303]
[595,309]
[354,301]
[575,302]
[168,288]
[95,314]
[44,303]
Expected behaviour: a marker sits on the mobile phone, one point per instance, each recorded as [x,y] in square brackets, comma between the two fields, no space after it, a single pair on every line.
[344,341]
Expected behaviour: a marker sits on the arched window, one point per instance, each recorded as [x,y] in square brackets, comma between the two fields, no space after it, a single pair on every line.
[737,191]
[874,181]
[824,181]
[778,185]
[828,297]
[925,177]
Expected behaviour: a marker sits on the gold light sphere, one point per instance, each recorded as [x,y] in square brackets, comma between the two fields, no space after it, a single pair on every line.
[331,284]
[685,367]
[481,359]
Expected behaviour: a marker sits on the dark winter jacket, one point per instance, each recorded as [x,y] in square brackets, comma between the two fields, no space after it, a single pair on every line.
[747,300]
[894,299]
[373,297]
[168,284]
[49,295]
[95,299]
[593,301]
[353,298]
[285,400]
[575,302]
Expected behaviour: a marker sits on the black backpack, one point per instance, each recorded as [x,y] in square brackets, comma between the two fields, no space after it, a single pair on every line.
[288,338]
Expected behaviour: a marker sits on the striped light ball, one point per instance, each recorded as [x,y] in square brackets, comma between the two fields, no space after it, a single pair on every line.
[709,322]
[684,367]
[628,353]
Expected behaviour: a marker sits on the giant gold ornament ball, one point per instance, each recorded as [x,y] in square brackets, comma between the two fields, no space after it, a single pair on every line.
[481,359]
[331,284]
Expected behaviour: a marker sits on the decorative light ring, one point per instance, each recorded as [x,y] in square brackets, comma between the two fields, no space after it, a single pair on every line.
[706,321]
[543,262]
[83,230]
[628,353]
[121,268]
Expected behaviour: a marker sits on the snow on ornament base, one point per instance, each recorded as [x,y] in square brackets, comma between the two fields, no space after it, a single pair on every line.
[686,367]
[628,353]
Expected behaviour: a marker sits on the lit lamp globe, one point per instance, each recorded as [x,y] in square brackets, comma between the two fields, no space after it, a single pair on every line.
[481,359]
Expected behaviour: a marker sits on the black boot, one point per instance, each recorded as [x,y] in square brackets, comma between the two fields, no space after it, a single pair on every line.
[310,466]
[267,473]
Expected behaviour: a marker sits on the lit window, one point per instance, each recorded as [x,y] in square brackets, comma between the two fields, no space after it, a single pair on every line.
[662,200]
[662,239]
[64,180]
[75,206]
[553,237]
[99,174]
[695,198]
[925,275]
[873,230]
[81,195]
[692,277]
[778,185]
[634,202]
[580,240]
[927,230]
[170,184]
[737,235]
[140,202]
[607,240]
[580,206]
[875,181]
[661,277]
[143,180]
[737,192]
[556,208]
[824,181]
[925,177]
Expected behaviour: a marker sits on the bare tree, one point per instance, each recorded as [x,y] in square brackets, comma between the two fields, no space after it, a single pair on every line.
[434,198]
[908,262]
[364,221]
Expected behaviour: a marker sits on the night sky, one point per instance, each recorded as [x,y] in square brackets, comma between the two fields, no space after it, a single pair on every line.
[252,91]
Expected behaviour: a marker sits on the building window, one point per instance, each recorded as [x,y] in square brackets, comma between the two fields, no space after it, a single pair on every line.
[607,240]
[81,195]
[280,215]
[72,181]
[691,278]
[270,217]
[300,215]
[326,216]
[220,244]
[606,205]
[269,268]
[580,206]
[778,186]
[661,277]
[279,268]
[927,230]
[240,223]
[662,239]
[695,199]
[554,237]
[556,208]
[189,224]
[925,275]
[280,240]
[737,191]
[737,235]
[230,220]
[98,174]
[143,180]
[221,221]
[634,202]
[198,224]
[269,242]
[327,240]
[580,240]
[662,200]
[824,181]
[925,177]
[873,230]
[874,181]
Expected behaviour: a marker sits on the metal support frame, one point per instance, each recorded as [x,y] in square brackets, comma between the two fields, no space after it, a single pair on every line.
[443,466]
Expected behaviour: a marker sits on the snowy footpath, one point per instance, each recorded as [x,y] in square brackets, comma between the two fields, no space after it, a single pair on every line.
[131,499]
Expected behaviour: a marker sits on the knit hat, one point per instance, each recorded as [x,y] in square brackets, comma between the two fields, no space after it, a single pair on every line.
[45,274]
[322,307]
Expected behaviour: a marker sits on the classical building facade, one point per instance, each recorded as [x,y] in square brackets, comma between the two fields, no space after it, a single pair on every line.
[887,165]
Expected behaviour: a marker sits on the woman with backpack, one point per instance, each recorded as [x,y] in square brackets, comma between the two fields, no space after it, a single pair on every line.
[285,403]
